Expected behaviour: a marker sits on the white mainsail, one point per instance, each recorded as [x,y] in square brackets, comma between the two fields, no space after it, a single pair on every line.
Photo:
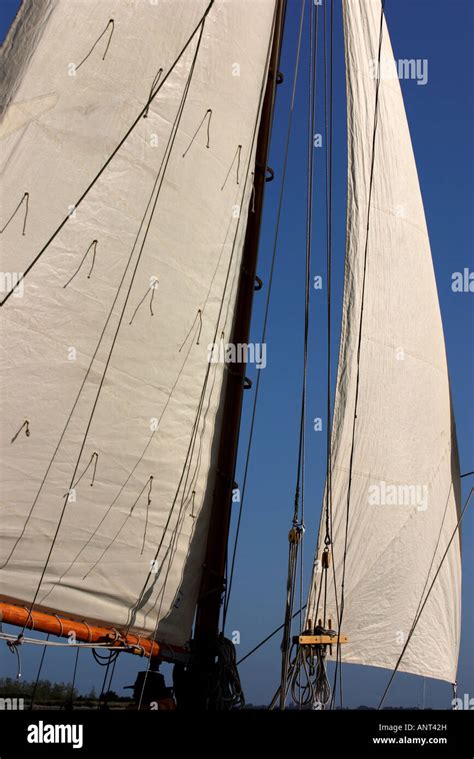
[106,383]
[403,480]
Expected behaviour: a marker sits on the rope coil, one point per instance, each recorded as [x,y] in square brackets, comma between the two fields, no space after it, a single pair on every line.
[227,693]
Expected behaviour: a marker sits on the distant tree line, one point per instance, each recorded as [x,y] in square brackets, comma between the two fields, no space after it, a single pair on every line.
[46,690]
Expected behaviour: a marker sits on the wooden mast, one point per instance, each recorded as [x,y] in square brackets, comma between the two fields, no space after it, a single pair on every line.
[213,581]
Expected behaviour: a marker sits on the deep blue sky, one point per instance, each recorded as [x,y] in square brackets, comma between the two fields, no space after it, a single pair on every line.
[440,115]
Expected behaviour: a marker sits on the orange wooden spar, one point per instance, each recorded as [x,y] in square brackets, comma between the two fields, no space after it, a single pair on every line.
[89,633]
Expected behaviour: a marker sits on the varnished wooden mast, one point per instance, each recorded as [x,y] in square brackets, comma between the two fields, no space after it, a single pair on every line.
[212,585]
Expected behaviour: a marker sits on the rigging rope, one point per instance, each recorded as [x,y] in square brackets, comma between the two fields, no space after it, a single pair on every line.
[328,182]
[455,695]
[143,111]
[359,343]
[152,89]
[236,156]
[297,532]
[188,459]
[227,693]
[112,27]
[268,637]
[140,458]
[173,387]
[25,200]
[327,558]
[64,644]
[70,702]
[14,643]
[310,663]
[157,185]
[38,673]
[25,425]
[326,514]
[420,608]
[195,428]
[93,247]
[117,533]
[208,113]
[106,661]
[266,315]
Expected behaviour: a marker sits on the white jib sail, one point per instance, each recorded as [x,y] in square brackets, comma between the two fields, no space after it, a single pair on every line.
[105,368]
[404,476]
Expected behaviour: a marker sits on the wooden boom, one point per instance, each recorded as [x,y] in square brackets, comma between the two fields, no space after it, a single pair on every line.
[54,624]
